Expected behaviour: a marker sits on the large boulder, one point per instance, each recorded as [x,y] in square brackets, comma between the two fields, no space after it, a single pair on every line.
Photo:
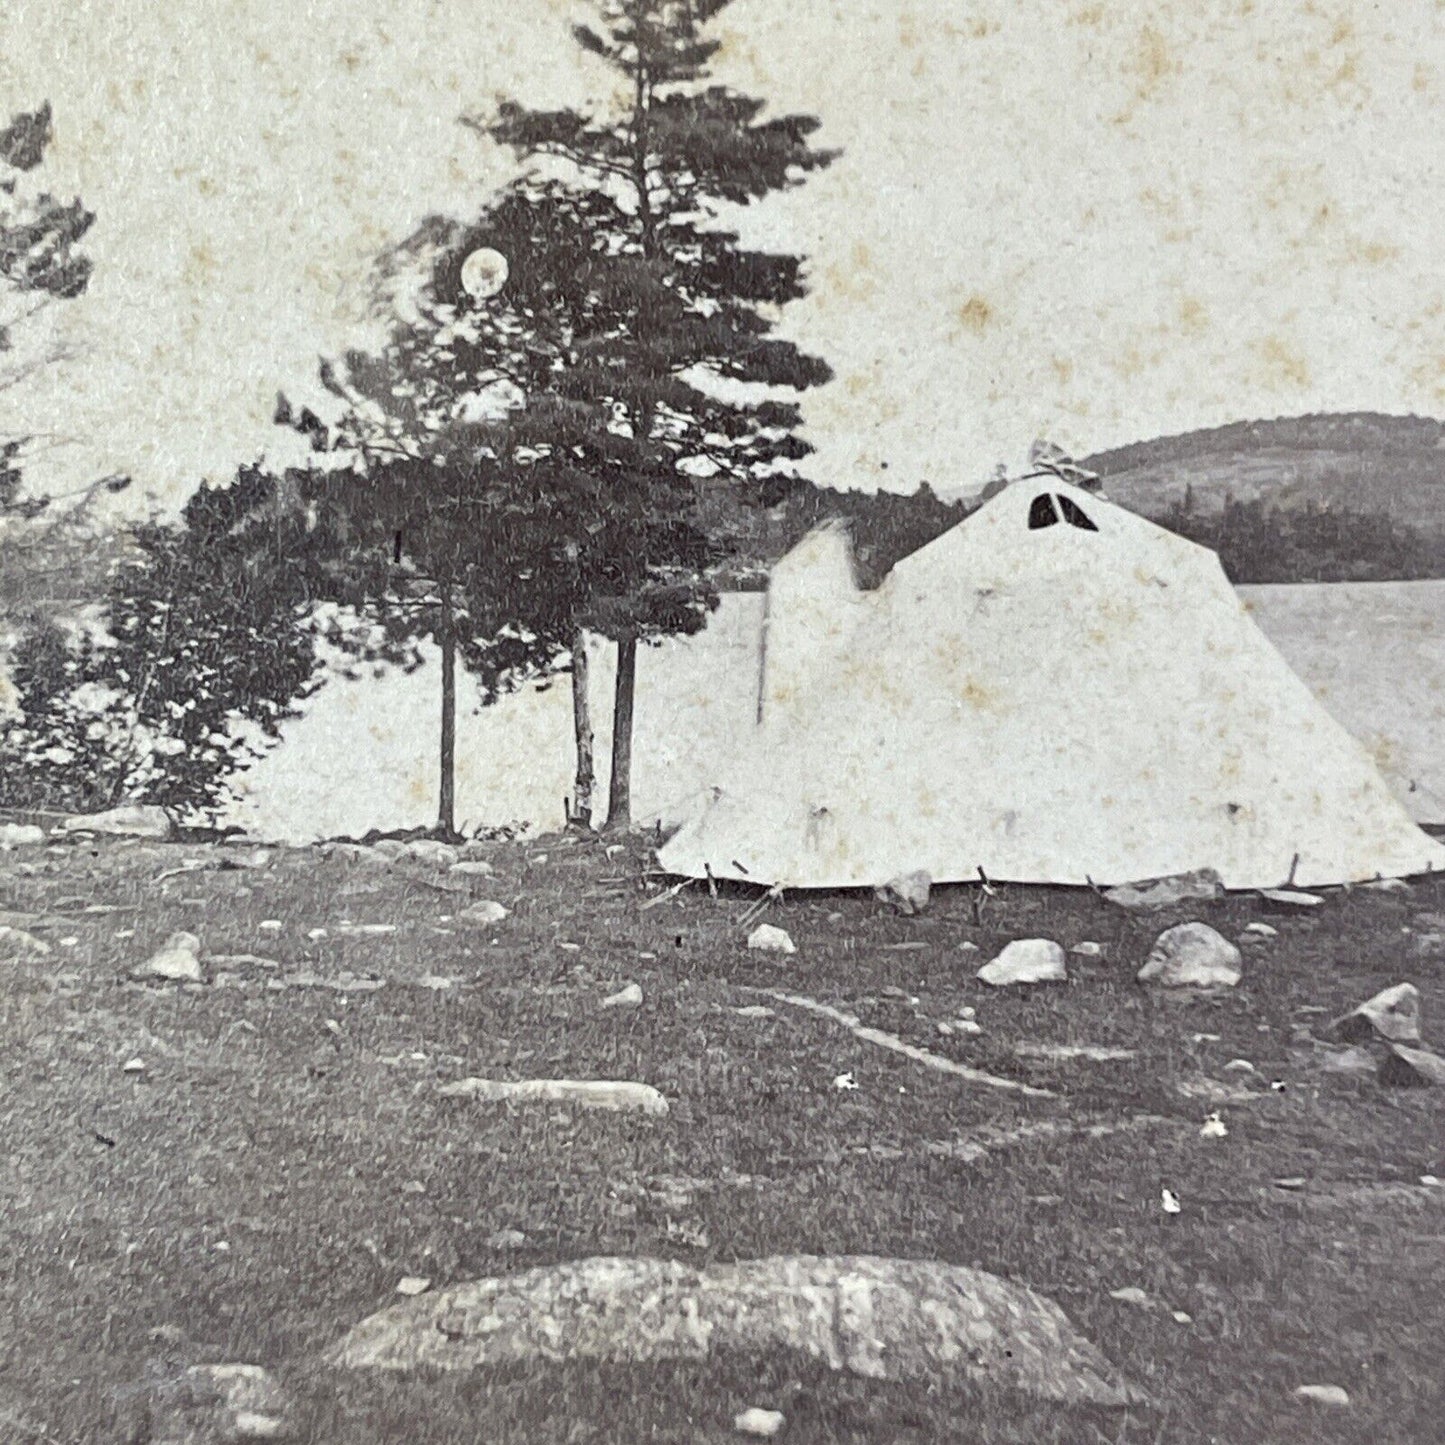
[887,1319]
[1026,960]
[1202,885]
[1192,955]
[130,820]
[1392,1014]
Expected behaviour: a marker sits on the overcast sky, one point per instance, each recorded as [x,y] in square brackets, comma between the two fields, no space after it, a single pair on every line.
[1097,221]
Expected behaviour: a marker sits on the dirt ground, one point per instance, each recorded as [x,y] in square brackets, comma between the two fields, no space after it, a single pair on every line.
[283,1157]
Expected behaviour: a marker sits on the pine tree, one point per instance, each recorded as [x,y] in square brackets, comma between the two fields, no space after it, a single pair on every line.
[661,173]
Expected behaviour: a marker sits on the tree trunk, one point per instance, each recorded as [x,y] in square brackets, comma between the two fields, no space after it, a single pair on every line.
[446,636]
[579,810]
[619,792]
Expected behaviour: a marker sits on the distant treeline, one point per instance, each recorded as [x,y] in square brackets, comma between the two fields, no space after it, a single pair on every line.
[1259,542]
[886,527]
[1372,434]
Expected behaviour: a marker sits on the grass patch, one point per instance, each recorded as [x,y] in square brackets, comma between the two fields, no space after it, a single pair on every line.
[284,1159]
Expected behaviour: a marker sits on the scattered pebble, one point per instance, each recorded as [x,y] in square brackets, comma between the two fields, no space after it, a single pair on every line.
[1131,1294]
[755,1011]
[412,1284]
[506,1239]
[1169,1201]
[1262,930]
[1213,1128]
[133,1066]
[1430,1181]
[1181,1317]
[628,997]
[845,1081]
[1088,949]
[269,925]
[1239,1066]
[316,933]
[1291,1182]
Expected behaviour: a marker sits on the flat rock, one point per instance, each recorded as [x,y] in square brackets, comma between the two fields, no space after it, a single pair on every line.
[1192,955]
[132,820]
[1404,1067]
[483,914]
[1026,960]
[1291,897]
[1072,1053]
[1392,1014]
[1204,884]
[1330,1395]
[620,1096]
[771,939]
[178,962]
[907,893]
[431,853]
[20,835]
[16,943]
[472,868]
[918,1320]
[1088,949]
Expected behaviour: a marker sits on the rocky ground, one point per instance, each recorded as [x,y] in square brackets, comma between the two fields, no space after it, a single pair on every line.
[238,1124]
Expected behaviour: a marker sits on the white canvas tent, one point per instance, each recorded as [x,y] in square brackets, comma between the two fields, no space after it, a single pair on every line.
[1055,691]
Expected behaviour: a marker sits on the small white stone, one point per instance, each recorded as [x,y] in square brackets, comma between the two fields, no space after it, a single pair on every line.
[412,1284]
[1239,1066]
[316,933]
[1331,1395]
[761,1424]
[1169,1201]
[1181,1317]
[1263,930]
[177,962]
[1213,1128]
[133,1066]
[1026,960]
[771,939]
[269,925]
[627,997]
[1088,949]
[484,912]
[845,1082]
[252,1425]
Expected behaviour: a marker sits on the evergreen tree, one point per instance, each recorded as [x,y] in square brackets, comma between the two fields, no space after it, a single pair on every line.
[659,175]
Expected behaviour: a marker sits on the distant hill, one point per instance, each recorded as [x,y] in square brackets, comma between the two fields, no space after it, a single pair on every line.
[1392,466]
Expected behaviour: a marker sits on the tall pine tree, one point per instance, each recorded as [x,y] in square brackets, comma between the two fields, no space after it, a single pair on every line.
[691,303]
